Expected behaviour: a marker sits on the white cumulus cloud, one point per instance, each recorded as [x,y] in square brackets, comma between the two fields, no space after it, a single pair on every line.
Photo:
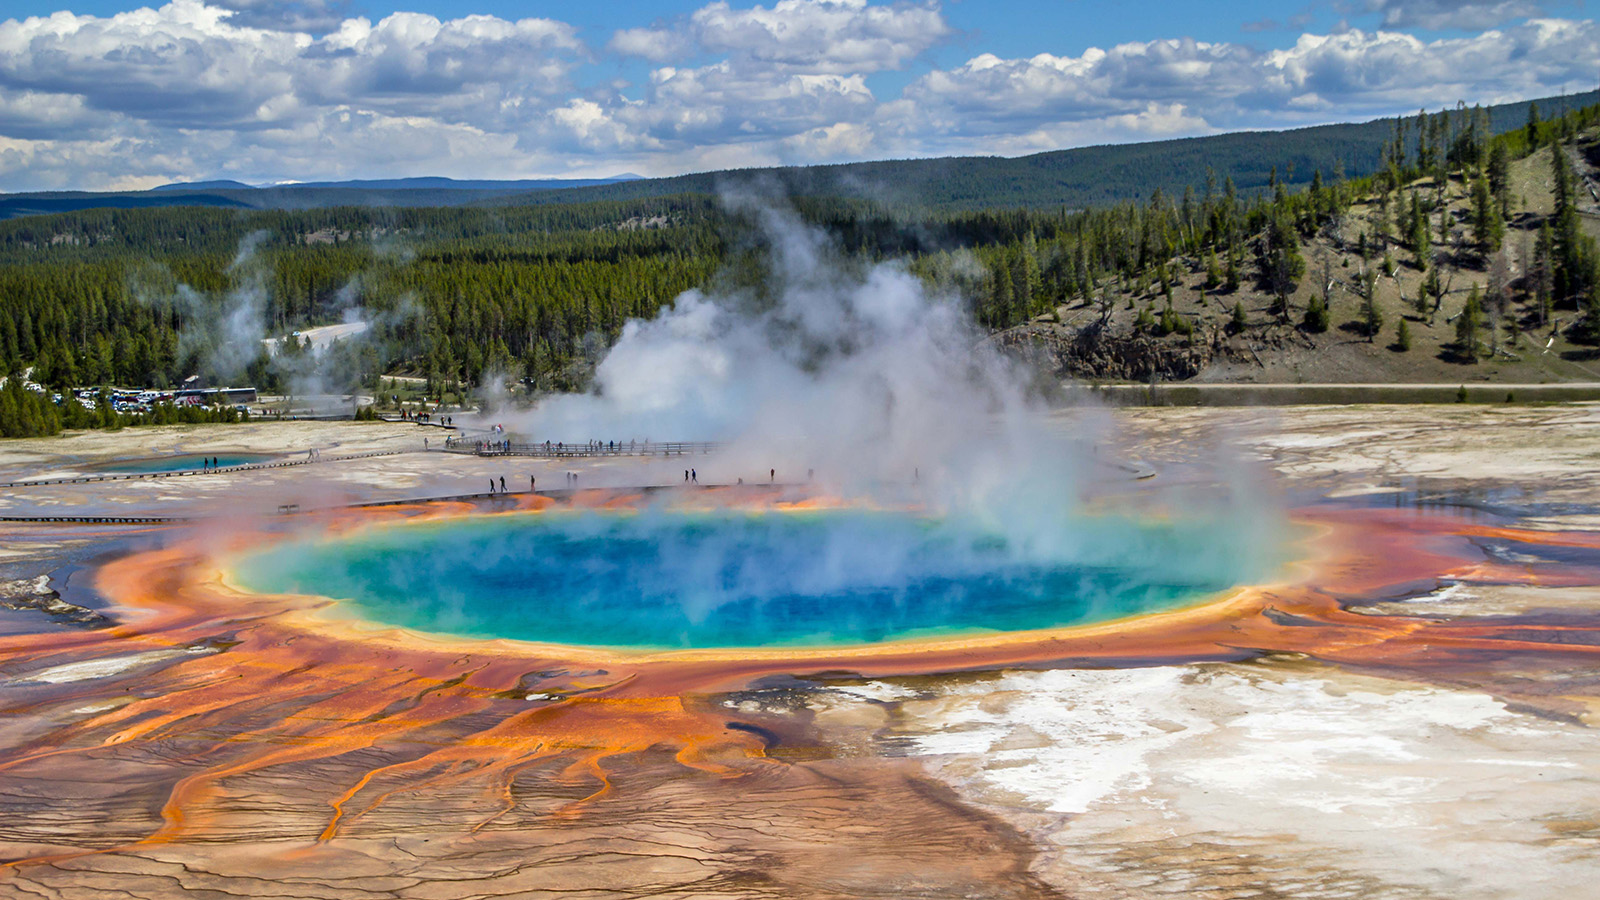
[267,89]
[833,36]
[1453,14]
[1180,87]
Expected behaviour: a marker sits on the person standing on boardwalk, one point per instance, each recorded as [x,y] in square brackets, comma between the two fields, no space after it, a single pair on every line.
[502,484]
[694,476]
[772,475]
[533,484]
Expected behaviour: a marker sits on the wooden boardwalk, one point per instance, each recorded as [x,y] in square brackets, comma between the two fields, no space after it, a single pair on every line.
[185,473]
[492,446]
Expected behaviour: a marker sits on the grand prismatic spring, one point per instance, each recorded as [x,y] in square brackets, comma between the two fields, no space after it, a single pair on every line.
[906,629]
[1409,670]
[731,579]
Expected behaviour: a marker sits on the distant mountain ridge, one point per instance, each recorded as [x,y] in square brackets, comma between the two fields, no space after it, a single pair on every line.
[1076,178]
[427,182]
[224,185]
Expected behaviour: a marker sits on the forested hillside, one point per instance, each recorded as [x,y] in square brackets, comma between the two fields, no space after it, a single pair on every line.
[1470,240]
[1463,260]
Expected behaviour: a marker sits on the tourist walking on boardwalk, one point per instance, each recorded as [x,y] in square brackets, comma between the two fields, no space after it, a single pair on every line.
[772,475]
[685,476]
[694,476]
[533,484]
[502,484]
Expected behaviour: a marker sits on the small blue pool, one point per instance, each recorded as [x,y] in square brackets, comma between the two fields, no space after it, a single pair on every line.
[182,462]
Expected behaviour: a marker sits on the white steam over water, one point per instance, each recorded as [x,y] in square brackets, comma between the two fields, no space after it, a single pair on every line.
[859,373]
[863,375]
[227,330]
[890,394]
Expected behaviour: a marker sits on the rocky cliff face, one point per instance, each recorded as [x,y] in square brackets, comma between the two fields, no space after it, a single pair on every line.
[1098,354]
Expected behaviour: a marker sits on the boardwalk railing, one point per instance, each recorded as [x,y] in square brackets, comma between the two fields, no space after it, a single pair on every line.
[184,473]
[562,450]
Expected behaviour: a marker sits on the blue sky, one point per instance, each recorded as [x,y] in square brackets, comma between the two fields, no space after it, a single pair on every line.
[100,94]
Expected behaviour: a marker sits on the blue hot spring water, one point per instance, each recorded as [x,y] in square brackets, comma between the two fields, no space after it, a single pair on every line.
[183,462]
[656,579]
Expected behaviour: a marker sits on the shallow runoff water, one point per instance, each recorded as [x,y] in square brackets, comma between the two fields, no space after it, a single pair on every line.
[657,579]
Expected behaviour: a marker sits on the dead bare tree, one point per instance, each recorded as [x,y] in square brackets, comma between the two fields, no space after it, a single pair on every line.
[1496,296]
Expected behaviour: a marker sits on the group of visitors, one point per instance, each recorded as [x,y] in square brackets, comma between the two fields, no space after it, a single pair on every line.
[423,417]
[499,487]
[633,446]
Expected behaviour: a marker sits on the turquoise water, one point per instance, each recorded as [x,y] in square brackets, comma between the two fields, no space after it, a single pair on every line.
[183,462]
[735,579]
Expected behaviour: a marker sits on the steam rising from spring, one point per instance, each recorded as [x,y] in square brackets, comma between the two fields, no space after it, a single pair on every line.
[858,372]
[227,334]
[227,331]
[891,395]
[861,373]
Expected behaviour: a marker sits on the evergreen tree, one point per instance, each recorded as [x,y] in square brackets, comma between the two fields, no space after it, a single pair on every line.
[1488,228]
[1500,177]
[1281,262]
[1417,236]
[1371,318]
[1468,325]
[1568,270]
[1316,317]
[1542,272]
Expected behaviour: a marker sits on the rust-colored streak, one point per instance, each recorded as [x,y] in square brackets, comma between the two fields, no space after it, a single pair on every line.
[269,686]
